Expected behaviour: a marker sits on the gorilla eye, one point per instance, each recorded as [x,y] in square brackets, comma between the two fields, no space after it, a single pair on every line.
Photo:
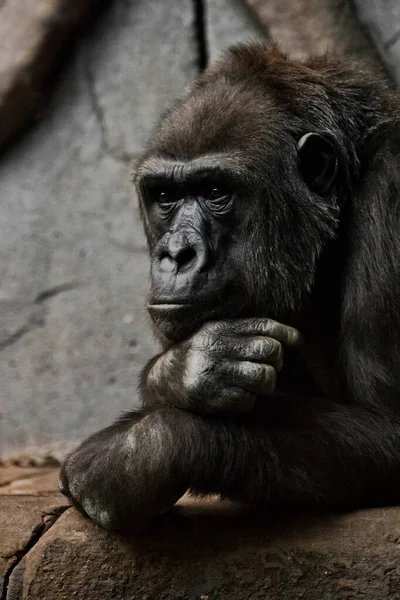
[163,197]
[215,193]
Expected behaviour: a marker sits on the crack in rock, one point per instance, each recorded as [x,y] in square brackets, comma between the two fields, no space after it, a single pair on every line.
[54,291]
[36,313]
[12,339]
[47,521]
[392,40]
[119,155]
[200,34]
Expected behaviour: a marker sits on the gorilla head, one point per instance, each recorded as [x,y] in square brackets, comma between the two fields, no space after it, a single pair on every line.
[240,191]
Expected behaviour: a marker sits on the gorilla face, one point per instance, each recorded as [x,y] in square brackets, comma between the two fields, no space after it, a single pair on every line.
[237,203]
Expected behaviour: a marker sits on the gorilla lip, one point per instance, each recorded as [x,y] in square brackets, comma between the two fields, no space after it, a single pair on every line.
[164,307]
[167,305]
[177,321]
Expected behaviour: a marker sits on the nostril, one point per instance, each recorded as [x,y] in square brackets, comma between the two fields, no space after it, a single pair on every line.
[185,257]
[171,261]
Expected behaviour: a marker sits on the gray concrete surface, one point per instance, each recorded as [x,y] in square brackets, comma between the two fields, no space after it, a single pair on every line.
[73,334]
[382,19]
[33,34]
[229,22]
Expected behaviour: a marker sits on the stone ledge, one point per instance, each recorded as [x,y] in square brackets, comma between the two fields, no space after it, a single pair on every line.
[23,519]
[207,550]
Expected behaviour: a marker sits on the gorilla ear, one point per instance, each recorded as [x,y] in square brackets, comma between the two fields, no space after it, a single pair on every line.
[318,162]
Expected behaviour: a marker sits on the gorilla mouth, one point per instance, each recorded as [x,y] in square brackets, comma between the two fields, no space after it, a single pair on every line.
[181,309]
[177,321]
[177,318]
[169,305]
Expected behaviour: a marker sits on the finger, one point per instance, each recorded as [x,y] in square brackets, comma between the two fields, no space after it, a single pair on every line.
[253,377]
[259,327]
[255,349]
[232,399]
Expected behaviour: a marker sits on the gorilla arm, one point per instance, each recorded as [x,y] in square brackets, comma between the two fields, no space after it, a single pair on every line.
[298,454]
[287,452]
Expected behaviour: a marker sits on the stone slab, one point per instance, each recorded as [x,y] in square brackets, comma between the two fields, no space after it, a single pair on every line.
[74,268]
[32,34]
[36,482]
[207,551]
[22,521]
[11,474]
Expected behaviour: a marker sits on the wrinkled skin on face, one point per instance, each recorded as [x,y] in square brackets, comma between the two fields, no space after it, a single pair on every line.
[229,238]
[269,197]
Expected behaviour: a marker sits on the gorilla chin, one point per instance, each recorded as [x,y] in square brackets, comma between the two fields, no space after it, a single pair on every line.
[178,321]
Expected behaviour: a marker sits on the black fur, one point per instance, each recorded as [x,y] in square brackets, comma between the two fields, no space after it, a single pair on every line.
[325,264]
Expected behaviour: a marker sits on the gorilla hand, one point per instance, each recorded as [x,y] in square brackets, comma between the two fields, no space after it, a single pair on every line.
[222,367]
[129,472]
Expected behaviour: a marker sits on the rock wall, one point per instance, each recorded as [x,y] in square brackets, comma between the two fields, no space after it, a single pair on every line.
[73,267]
[382,19]
[33,34]
[74,264]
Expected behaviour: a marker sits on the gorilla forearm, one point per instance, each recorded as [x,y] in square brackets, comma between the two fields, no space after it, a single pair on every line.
[128,472]
[311,454]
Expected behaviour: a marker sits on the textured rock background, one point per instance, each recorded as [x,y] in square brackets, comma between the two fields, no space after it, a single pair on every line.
[73,267]
[305,27]
[32,34]
[73,333]
[382,19]
[72,329]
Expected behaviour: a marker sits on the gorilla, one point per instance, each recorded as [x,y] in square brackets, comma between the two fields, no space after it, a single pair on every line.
[270,199]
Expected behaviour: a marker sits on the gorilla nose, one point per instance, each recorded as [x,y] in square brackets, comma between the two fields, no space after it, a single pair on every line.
[184,253]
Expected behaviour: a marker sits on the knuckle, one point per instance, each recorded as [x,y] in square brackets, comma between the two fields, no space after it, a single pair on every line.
[268,376]
[205,339]
[263,324]
[268,346]
[95,510]
[275,329]
[63,482]
[210,327]
[294,336]
[276,348]
[279,357]
[197,368]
